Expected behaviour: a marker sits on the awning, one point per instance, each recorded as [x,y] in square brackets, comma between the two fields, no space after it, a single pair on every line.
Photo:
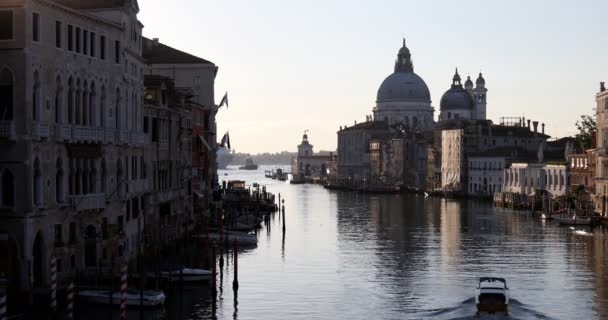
[204,142]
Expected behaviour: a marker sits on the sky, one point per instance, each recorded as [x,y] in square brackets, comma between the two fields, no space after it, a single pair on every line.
[316,65]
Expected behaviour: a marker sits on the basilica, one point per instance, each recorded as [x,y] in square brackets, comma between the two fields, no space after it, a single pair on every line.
[404,98]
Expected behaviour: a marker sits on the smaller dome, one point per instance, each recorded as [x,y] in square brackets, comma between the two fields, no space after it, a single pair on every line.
[480,80]
[404,49]
[457,98]
[468,83]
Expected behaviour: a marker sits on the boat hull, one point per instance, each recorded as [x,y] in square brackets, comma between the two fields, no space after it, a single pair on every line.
[150,300]
[573,222]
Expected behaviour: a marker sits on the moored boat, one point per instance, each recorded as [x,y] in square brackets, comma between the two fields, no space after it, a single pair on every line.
[187,275]
[242,237]
[573,220]
[151,298]
[492,295]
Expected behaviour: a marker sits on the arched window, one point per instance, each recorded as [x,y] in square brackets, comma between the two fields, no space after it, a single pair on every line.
[8,189]
[92,106]
[92,177]
[119,177]
[77,176]
[71,100]
[103,176]
[78,105]
[84,176]
[59,189]
[85,104]
[6,95]
[72,179]
[127,123]
[37,183]
[102,107]
[36,97]
[58,100]
[117,110]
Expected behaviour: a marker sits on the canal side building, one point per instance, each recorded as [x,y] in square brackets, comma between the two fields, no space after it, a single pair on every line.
[308,164]
[71,134]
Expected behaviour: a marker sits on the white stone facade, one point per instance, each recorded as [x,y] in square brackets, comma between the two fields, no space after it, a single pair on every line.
[485,175]
[527,178]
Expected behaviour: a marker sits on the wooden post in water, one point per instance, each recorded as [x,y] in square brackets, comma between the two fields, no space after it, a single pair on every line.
[235,283]
[213,269]
[283,216]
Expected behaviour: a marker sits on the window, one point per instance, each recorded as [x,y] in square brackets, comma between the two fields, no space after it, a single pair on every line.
[70,37]
[72,232]
[92,43]
[117,52]
[145,124]
[37,181]
[36,26]
[58,34]
[77,40]
[36,97]
[59,187]
[6,25]
[6,94]
[102,47]
[85,42]
[7,196]
[58,235]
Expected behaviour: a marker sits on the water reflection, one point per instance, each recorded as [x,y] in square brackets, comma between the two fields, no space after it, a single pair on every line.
[353,256]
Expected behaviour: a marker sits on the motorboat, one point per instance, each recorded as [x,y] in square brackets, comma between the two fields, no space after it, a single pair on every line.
[151,298]
[187,275]
[492,295]
[573,220]
[249,165]
[243,238]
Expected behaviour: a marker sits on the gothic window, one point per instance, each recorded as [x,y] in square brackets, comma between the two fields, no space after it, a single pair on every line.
[102,107]
[58,99]
[92,105]
[6,94]
[72,178]
[92,177]
[59,189]
[37,183]
[85,104]
[77,105]
[7,197]
[70,100]
[36,97]
[117,111]
[103,176]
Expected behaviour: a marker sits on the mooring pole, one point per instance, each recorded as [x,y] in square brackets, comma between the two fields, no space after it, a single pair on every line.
[235,283]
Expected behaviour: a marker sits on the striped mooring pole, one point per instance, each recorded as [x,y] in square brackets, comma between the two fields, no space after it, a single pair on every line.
[53,284]
[123,292]
[2,306]
[70,310]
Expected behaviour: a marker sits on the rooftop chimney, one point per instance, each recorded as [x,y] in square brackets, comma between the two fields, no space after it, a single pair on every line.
[528,124]
[155,40]
[602,87]
[535,124]
[543,131]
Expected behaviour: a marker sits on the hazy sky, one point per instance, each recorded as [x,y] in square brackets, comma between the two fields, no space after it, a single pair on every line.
[295,65]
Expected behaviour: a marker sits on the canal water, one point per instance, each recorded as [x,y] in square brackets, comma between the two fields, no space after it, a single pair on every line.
[358,256]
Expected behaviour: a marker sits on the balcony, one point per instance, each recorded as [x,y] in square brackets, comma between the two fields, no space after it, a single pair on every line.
[123,137]
[7,129]
[110,135]
[138,138]
[89,201]
[138,186]
[63,132]
[87,134]
[40,130]
[167,195]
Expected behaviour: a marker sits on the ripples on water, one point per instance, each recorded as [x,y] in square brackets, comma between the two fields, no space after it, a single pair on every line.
[355,256]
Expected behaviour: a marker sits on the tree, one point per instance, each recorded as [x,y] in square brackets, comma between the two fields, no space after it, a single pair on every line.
[586,129]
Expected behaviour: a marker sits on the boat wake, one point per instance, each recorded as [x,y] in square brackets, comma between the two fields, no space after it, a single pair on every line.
[467,310]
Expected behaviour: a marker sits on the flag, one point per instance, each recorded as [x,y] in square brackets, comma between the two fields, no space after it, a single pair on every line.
[225,141]
[224,101]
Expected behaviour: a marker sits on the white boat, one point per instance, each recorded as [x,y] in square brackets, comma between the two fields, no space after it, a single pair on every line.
[574,220]
[187,274]
[492,295]
[151,298]
[582,233]
[242,237]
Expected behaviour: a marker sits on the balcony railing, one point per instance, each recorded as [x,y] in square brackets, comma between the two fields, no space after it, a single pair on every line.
[7,129]
[87,201]
[110,135]
[40,130]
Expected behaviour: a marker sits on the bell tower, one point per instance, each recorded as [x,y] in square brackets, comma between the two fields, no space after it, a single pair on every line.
[480,92]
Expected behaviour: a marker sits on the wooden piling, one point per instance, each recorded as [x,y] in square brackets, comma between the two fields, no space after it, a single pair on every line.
[213,269]
[235,283]
[283,218]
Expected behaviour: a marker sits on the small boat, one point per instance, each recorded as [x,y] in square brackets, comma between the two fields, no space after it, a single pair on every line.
[583,233]
[187,274]
[492,295]
[574,220]
[151,298]
[242,237]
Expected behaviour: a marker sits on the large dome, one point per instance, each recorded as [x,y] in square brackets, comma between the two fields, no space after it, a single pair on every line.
[403,86]
[457,98]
